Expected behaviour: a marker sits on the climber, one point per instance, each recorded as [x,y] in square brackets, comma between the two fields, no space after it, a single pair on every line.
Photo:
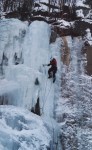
[53,69]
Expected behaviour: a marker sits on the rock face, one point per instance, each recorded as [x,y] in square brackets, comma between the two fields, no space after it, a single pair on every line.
[89,60]
[63,31]
[53,36]
[51,12]
[81,25]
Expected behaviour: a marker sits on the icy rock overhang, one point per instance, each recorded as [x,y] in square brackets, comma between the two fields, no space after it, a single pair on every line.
[20,129]
[62,27]
[64,24]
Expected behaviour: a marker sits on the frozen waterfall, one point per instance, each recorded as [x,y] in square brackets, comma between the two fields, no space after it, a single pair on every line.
[26,49]
[24,82]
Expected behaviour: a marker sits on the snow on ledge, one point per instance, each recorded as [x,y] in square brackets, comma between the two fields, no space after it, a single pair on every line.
[81,4]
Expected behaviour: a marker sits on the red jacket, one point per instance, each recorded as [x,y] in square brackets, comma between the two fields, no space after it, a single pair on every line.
[53,63]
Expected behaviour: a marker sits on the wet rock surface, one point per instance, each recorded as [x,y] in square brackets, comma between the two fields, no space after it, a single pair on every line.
[89,60]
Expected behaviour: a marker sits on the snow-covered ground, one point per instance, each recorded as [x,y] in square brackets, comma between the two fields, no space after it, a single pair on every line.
[22,130]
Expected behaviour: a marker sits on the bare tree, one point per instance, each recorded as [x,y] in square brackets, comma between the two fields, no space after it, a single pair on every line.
[49,2]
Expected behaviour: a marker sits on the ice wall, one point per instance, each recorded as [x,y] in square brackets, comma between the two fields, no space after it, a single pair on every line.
[24,49]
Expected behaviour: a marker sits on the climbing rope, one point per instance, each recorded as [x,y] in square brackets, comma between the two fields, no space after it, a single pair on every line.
[53,143]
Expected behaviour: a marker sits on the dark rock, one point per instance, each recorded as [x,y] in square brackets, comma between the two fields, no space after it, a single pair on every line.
[80,26]
[37,81]
[14,14]
[39,18]
[62,31]
[37,107]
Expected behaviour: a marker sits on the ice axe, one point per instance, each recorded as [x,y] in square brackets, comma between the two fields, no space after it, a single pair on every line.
[45,65]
